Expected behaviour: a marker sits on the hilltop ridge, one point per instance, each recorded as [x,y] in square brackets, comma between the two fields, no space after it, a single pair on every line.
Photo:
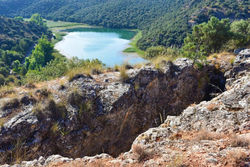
[164,22]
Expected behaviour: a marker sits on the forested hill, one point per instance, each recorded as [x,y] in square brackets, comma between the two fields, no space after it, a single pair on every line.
[17,39]
[19,35]
[164,22]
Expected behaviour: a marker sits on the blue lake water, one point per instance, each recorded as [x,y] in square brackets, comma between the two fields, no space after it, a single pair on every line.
[99,43]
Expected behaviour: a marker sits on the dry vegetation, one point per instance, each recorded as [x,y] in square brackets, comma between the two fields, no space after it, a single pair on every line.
[92,69]
[16,155]
[160,61]
[177,162]
[236,158]
[123,73]
[212,107]
[2,122]
[219,59]
[207,135]
[6,90]
[141,153]
[239,141]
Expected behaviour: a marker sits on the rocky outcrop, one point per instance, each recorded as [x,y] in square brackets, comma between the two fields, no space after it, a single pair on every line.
[215,132]
[240,68]
[89,115]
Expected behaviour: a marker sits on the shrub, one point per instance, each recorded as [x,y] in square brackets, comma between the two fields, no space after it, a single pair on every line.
[2,80]
[155,51]
[241,33]
[141,153]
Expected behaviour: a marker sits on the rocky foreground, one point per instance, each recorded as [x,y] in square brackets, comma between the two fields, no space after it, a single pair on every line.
[195,118]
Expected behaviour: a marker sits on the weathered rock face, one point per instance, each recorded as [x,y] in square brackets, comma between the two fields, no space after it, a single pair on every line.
[91,115]
[212,133]
[240,68]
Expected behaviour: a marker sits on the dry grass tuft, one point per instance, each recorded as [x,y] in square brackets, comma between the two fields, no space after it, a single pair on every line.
[7,90]
[141,153]
[123,74]
[88,70]
[236,158]
[221,58]
[159,61]
[2,122]
[55,128]
[138,66]
[239,141]
[117,68]
[207,135]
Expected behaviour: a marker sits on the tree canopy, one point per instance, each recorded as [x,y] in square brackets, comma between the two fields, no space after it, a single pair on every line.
[41,55]
[37,19]
[17,39]
[213,36]
[164,22]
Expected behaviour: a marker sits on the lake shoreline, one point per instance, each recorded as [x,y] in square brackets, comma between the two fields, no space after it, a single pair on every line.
[59,30]
[104,44]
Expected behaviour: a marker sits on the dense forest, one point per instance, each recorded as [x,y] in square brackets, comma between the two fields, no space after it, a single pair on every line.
[27,53]
[164,22]
[17,39]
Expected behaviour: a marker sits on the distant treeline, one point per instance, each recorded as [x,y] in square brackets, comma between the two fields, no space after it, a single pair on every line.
[164,22]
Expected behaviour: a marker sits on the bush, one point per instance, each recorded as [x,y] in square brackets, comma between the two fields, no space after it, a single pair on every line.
[155,51]
[141,153]
[241,33]
[2,80]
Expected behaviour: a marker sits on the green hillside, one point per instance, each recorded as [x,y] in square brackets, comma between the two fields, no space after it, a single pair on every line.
[17,39]
[164,22]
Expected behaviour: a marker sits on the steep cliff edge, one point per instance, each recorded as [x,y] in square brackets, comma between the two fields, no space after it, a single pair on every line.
[89,115]
[211,133]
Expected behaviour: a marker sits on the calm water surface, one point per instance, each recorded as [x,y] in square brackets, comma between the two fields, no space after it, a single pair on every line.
[99,43]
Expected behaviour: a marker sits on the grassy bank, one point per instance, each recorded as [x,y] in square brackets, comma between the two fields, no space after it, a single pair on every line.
[133,47]
[57,27]
[62,25]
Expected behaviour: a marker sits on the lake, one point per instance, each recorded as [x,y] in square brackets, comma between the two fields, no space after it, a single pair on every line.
[107,45]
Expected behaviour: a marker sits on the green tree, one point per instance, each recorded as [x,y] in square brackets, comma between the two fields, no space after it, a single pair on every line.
[37,19]
[4,71]
[209,37]
[206,38]
[241,33]
[24,45]
[41,55]
[193,50]
[16,66]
